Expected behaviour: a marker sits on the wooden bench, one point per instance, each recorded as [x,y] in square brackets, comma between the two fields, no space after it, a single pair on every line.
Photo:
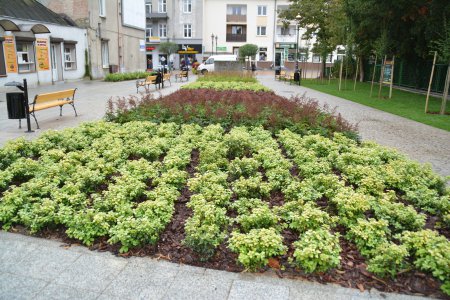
[48,100]
[146,83]
[181,75]
[166,77]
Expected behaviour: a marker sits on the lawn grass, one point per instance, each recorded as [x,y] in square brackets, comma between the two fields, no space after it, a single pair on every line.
[403,103]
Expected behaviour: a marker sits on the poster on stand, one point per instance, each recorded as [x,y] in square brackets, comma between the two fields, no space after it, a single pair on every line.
[10,54]
[42,54]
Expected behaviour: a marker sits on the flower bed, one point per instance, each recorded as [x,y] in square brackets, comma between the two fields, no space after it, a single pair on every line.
[304,203]
[114,77]
[232,108]
[226,85]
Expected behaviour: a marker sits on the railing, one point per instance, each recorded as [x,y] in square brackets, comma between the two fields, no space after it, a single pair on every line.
[236,37]
[156,15]
[236,18]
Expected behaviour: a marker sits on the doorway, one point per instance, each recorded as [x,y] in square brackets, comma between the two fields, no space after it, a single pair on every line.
[57,70]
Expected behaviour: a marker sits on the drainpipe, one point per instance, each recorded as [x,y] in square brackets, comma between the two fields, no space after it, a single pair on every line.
[118,37]
[275,16]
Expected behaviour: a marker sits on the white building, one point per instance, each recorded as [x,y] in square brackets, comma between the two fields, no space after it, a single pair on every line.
[256,22]
[43,50]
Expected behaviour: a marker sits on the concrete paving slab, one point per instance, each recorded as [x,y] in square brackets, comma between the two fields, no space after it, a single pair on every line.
[92,272]
[19,287]
[242,290]
[44,263]
[60,292]
[190,286]
[143,280]
[13,252]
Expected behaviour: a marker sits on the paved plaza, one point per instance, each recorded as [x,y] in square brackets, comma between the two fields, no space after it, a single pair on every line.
[33,268]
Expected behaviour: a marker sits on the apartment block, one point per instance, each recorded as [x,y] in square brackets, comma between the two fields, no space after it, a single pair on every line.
[115,32]
[177,21]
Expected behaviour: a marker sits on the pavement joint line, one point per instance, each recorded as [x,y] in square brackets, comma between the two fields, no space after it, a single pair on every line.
[121,270]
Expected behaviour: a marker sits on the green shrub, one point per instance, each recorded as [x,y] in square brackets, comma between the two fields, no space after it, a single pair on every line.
[317,251]
[256,247]
[388,259]
[229,77]
[368,235]
[226,85]
[114,77]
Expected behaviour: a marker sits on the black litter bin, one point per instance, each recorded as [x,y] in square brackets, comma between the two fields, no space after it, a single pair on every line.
[277,71]
[15,106]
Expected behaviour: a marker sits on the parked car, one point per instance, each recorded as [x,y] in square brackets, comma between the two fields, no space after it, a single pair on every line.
[208,65]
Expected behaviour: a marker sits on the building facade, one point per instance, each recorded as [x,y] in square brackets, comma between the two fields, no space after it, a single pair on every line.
[176,21]
[38,45]
[236,23]
[115,32]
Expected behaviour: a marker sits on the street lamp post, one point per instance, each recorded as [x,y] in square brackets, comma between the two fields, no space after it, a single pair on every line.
[212,43]
[297,71]
[216,43]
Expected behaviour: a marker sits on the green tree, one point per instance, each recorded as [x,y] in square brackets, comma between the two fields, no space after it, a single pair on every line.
[322,19]
[247,50]
[168,48]
[442,46]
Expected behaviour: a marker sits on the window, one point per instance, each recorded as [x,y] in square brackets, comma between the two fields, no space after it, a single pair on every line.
[187,30]
[262,54]
[187,6]
[25,54]
[285,30]
[2,61]
[105,54]
[148,34]
[236,30]
[148,8]
[261,30]
[163,30]
[236,10]
[162,6]
[101,8]
[262,10]
[316,58]
[69,57]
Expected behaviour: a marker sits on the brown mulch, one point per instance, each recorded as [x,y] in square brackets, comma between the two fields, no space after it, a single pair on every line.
[351,273]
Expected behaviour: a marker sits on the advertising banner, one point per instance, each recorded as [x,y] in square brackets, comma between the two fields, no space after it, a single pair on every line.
[42,54]
[10,54]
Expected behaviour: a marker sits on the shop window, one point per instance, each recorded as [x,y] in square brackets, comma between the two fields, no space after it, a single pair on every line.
[70,57]
[262,54]
[105,54]
[187,30]
[25,57]
[261,30]
[2,61]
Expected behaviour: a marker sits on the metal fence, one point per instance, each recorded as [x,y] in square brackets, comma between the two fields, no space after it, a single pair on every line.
[414,75]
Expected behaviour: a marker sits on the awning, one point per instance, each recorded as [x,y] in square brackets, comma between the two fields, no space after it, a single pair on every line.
[188,52]
[35,28]
[26,36]
[8,25]
[70,42]
[56,40]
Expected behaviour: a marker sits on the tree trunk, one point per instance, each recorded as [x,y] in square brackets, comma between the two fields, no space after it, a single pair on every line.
[444,97]
[324,65]
[361,68]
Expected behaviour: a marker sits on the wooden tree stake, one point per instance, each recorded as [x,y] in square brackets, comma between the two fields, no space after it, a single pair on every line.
[431,81]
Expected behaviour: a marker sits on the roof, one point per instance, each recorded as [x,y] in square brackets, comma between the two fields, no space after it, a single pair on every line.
[31,10]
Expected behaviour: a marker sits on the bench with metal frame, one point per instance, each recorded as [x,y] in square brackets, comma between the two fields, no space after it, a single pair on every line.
[152,79]
[181,75]
[166,77]
[53,99]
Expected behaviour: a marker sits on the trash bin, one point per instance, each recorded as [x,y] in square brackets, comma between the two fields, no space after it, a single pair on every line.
[15,106]
[277,71]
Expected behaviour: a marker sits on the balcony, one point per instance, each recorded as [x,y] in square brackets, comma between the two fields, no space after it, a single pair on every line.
[236,18]
[236,37]
[156,16]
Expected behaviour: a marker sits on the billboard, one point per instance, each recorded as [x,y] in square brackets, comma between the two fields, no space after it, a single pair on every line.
[133,13]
